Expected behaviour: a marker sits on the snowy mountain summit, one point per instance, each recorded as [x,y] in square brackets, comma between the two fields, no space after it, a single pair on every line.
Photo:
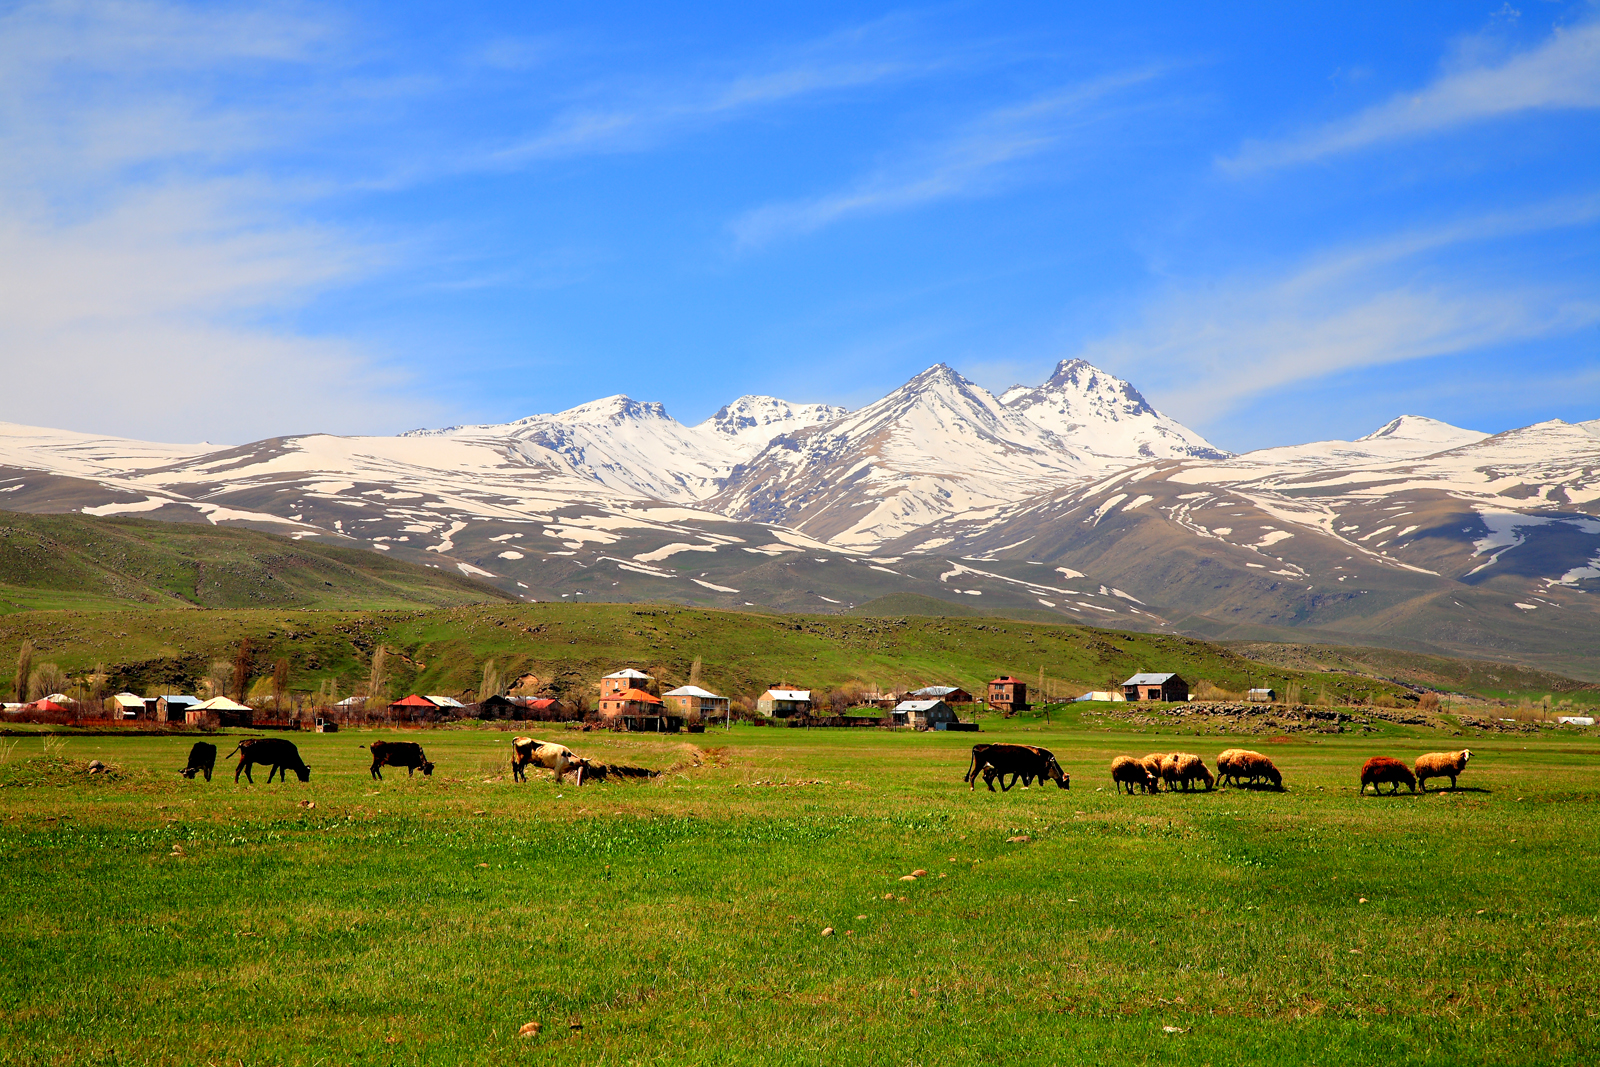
[1100,414]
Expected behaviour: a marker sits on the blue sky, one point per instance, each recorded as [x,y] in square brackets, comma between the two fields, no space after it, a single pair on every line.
[1281,222]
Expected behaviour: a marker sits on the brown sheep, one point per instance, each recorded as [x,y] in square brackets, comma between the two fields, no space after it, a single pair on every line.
[1243,764]
[1380,769]
[1130,772]
[1441,765]
[1185,767]
[1152,763]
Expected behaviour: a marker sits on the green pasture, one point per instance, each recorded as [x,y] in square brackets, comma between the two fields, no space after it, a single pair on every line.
[147,919]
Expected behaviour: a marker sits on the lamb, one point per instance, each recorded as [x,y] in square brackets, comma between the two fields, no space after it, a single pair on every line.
[1380,769]
[1441,765]
[1185,767]
[1130,772]
[1241,763]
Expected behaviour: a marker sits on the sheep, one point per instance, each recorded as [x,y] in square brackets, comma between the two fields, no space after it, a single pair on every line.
[1152,763]
[1130,772]
[1441,765]
[1380,769]
[1185,767]
[1242,763]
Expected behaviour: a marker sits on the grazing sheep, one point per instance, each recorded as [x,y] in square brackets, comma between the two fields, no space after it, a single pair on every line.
[1241,764]
[1184,768]
[1130,772]
[1441,765]
[1381,769]
[1152,763]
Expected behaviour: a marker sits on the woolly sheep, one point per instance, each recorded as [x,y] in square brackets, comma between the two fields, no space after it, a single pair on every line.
[1243,764]
[1185,767]
[1130,772]
[1381,769]
[1152,763]
[1441,765]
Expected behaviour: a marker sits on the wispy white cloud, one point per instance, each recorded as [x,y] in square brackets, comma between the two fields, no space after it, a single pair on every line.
[634,115]
[1213,345]
[1561,73]
[147,244]
[973,161]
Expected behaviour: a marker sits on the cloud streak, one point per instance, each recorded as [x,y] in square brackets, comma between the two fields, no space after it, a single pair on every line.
[1563,73]
[971,162]
[1216,345]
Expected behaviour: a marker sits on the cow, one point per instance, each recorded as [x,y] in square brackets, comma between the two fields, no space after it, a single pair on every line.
[1019,761]
[407,754]
[280,755]
[559,758]
[202,758]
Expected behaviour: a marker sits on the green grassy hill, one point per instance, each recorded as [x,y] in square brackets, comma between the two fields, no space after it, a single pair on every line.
[73,561]
[569,647]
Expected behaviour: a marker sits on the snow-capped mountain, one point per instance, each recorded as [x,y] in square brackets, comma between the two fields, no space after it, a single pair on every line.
[1103,418]
[1076,497]
[936,446]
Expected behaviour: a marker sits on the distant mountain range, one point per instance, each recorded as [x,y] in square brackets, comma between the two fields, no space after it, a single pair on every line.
[1073,499]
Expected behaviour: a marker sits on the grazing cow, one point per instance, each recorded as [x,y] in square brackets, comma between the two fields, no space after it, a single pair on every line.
[1381,769]
[1019,761]
[280,755]
[407,754]
[559,758]
[202,758]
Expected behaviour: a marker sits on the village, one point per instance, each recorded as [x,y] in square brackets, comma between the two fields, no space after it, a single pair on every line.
[629,700]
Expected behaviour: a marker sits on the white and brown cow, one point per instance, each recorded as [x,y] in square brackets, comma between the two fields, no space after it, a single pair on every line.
[559,758]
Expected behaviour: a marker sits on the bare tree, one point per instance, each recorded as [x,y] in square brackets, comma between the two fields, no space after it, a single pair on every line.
[24,670]
[378,679]
[490,686]
[280,683]
[241,670]
[694,672]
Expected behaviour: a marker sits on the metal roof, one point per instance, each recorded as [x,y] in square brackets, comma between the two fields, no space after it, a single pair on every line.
[1150,679]
[917,705]
[694,691]
[788,694]
[445,702]
[628,672]
[935,690]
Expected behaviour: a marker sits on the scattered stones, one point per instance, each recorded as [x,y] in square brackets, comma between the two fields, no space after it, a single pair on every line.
[1175,1029]
[908,878]
[308,804]
[96,767]
[827,931]
[1363,900]
[860,917]
[530,1029]
[1018,839]
[919,873]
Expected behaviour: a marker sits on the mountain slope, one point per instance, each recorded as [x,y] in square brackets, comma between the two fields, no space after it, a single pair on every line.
[72,561]
[936,446]
[1102,417]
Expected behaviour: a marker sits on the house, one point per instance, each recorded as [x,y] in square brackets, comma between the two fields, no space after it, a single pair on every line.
[413,707]
[499,707]
[634,709]
[447,704]
[1165,687]
[174,707]
[950,694]
[127,706]
[694,703]
[549,709]
[1100,694]
[782,703]
[923,714]
[219,711]
[1007,694]
[1262,696]
[616,684]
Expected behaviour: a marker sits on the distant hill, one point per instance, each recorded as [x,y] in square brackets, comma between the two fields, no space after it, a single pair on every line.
[74,561]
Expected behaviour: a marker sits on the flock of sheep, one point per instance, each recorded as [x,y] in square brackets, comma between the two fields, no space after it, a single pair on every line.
[1240,766]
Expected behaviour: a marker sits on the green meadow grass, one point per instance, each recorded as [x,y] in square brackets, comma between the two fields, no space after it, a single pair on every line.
[148,919]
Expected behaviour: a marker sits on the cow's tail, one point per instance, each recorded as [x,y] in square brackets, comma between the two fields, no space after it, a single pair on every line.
[235,749]
[972,769]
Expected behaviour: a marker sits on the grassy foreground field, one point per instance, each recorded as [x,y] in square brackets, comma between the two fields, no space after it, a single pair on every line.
[147,919]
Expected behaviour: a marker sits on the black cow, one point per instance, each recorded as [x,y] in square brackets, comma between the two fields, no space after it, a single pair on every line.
[202,758]
[1019,761]
[407,754]
[280,755]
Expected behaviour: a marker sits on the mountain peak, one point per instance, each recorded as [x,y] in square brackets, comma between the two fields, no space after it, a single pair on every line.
[613,409]
[765,417]
[1422,429]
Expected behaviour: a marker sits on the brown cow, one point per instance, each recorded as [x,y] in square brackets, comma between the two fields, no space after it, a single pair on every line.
[1019,761]
[277,753]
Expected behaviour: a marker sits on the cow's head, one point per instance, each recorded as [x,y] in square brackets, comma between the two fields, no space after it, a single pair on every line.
[427,767]
[303,773]
[1059,776]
